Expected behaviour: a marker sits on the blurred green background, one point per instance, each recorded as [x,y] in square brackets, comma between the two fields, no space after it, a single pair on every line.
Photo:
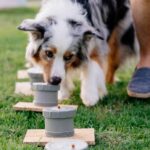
[121,123]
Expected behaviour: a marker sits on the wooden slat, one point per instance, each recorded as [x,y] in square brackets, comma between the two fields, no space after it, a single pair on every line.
[29,106]
[23,88]
[22,74]
[38,137]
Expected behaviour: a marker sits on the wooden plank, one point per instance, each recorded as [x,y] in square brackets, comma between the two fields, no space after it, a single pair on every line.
[38,137]
[29,106]
[22,74]
[23,88]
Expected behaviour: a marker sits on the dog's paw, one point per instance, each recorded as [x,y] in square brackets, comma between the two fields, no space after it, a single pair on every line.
[89,99]
[63,95]
[102,93]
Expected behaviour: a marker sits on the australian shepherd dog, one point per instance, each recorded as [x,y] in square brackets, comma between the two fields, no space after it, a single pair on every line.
[83,35]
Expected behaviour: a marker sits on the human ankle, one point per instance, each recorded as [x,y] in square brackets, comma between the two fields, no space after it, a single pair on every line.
[143,64]
[144,59]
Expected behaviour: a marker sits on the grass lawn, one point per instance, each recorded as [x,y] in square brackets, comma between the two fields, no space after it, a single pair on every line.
[120,122]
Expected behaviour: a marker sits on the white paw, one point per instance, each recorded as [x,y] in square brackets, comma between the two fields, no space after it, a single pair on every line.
[102,92]
[62,95]
[89,99]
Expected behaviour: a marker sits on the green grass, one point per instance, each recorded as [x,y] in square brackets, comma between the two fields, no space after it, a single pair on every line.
[121,123]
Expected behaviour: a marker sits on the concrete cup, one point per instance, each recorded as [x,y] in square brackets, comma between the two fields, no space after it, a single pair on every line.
[59,121]
[35,74]
[67,145]
[45,94]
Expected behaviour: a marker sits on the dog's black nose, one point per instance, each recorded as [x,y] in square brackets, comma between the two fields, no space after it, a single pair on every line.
[55,80]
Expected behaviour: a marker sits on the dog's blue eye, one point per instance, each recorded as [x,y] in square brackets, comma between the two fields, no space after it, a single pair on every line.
[49,54]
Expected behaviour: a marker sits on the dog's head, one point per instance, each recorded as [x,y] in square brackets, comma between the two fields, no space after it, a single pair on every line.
[58,38]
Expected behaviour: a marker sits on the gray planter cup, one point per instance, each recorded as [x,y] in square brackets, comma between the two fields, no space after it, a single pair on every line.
[67,145]
[35,75]
[45,94]
[59,121]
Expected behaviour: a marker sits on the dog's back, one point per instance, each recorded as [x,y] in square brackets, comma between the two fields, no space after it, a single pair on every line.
[114,17]
[108,15]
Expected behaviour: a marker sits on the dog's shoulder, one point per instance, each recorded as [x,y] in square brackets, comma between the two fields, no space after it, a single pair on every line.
[105,12]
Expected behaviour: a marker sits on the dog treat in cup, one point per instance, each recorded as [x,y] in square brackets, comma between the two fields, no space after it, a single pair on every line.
[59,121]
[35,74]
[45,94]
[67,145]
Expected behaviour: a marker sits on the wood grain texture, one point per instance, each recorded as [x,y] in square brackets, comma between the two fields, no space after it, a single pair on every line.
[29,106]
[38,137]
[22,74]
[23,88]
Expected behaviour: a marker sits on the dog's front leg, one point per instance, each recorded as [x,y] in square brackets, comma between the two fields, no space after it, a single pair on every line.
[66,88]
[92,83]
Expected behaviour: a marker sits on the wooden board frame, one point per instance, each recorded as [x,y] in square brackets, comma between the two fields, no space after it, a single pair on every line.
[38,137]
[22,74]
[29,106]
[23,88]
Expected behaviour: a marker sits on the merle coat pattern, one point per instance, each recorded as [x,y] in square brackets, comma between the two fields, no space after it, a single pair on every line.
[109,14]
[70,35]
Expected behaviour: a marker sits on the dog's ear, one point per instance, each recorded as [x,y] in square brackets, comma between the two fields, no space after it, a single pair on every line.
[32,52]
[33,27]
